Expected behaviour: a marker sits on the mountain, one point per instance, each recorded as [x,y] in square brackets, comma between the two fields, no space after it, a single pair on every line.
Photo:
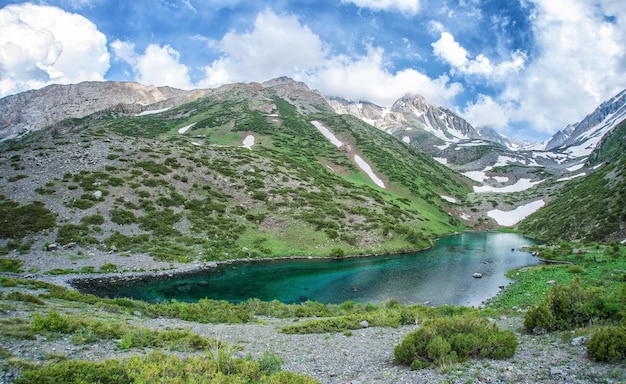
[482,154]
[593,207]
[33,110]
[246,170]
[581,138]
[411,118]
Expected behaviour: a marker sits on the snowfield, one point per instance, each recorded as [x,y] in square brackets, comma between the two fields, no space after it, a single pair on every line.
[327,134]
[365,167]
[368,170]
[521,185]
[509,218]
[248,142]
[153,112]
[448,198]
[185,128]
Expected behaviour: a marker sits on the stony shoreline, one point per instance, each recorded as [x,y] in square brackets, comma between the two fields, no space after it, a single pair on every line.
[363,356]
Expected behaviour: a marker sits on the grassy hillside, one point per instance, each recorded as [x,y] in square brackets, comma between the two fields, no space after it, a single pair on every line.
[591,208]
[136,184]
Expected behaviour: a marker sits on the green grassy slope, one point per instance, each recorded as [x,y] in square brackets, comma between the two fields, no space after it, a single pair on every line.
[590,208]
[200,196]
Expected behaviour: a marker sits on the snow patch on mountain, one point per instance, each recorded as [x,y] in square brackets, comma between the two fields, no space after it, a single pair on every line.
[509,218]
[449,199]
[153,112]
[185,128]
[248,142]
[365,167]
[368,170]
[520,185]
[327,134]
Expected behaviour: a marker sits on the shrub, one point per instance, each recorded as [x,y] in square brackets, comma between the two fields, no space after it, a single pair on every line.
[575,269]
[71,233]
[608,344]
[570,306]
[81,203]
[108,268]
[11,265]
[450,340]
[96,219]
[122,216]
[540,320]
[25,297]
[18,222]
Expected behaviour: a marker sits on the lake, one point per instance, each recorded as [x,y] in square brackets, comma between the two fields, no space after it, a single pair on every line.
[440,275]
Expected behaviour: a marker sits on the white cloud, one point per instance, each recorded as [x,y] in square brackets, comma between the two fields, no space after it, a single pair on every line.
[410,7]
[278,45]
[158,65]
[486,112]
[578,62]
[448,49]
[365,78]
[41,45]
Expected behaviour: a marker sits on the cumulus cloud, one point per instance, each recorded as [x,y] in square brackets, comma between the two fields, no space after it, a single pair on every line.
[448,49]
[157,65]
[486,112]
[277,45]
[409,7]
[579,53]
[41,45]
[365,78]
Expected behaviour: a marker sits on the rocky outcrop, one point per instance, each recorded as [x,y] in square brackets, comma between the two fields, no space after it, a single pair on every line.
[33,110]
[597,123]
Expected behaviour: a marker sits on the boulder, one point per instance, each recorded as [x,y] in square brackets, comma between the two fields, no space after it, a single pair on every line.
[477,275]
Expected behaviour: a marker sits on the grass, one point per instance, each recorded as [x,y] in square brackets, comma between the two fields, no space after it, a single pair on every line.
[602,266]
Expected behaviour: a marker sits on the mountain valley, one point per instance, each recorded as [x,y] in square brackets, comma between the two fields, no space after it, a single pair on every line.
[272,170]
[111,182]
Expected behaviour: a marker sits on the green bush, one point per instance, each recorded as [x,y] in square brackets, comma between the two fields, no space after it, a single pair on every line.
[96,219]
[11,265]
[18,222]
[81,203]
[608,344]
[122,216]
[451,340]
[540,320]
[571,306]
[71,233]
[575,269]
[158,367]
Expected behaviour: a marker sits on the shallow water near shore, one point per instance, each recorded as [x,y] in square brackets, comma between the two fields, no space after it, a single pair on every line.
[440,275]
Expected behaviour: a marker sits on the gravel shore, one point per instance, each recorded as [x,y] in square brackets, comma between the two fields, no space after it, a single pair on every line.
[365,356]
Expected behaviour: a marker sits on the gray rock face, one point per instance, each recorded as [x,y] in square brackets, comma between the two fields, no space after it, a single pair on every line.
[408,117]
[577,133]
[33,110]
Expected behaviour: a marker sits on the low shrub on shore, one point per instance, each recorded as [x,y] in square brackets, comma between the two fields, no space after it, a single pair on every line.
[158,367]
[570,306]
[452,340]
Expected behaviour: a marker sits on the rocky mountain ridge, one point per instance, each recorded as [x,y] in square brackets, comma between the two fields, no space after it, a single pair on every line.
[36,109]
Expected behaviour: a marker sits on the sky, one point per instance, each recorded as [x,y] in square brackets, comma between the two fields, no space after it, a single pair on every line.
[525,68]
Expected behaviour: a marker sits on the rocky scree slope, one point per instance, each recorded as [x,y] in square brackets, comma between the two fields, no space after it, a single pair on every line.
[177,185]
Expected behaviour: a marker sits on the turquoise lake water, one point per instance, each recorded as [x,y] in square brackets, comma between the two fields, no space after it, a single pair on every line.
[441,275]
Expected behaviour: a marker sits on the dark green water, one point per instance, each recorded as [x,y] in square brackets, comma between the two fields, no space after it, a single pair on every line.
[441,275]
